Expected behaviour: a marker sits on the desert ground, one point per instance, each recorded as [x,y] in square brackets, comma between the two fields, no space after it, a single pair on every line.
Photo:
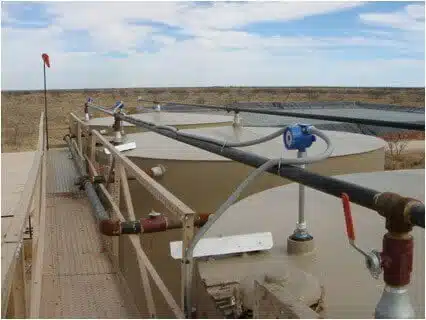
[21,110]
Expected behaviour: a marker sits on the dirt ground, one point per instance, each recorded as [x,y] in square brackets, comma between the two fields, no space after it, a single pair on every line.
[400,156]
[407,160]
[21,110]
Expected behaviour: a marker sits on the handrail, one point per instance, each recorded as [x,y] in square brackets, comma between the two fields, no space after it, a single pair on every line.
[14,235]
[38,242]
[175,206]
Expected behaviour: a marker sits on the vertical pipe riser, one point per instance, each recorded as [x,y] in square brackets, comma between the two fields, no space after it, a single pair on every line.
[301,224]
[397,264]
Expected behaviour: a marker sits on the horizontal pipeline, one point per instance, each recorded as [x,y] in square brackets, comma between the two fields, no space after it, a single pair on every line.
[404,208]
[146,225]
[420,126]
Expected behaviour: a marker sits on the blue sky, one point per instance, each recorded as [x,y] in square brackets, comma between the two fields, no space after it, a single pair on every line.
[253,43]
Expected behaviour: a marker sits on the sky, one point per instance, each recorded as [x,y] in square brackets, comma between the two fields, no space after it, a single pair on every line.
[182,44]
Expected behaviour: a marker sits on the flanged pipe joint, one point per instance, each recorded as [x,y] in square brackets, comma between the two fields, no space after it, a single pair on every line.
[298,137]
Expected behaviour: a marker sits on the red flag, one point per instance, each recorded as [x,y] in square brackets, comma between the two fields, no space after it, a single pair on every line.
[45,58]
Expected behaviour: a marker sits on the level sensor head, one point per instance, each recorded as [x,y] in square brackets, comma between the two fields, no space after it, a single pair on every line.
[297,137]
[119,105]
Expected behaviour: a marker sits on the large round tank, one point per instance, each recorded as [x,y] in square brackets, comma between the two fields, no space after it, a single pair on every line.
[203,181]
[350,290]
[175,119]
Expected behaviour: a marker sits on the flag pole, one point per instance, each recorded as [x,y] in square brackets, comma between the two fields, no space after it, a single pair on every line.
[45,105]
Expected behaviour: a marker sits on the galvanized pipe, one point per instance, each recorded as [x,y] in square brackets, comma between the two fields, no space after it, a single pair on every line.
[383,123]
[360,195]
[301,219]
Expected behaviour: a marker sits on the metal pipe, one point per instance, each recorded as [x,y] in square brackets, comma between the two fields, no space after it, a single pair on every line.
[117,130]
[383,123]
[301,224]
[45,106]
[86,112]
[154,224]
[237,120]
[98,208]
[397,263]
[363,196]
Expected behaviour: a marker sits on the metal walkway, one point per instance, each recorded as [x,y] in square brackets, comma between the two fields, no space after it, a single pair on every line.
[78,277]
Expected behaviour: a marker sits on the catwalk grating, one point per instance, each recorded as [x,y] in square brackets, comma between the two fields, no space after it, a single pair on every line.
[78,277]
[84,297]
[61,172]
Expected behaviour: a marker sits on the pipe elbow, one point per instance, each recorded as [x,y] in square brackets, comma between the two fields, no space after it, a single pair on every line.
[396,210]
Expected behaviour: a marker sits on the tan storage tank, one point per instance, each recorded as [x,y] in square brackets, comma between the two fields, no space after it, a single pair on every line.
[203,181]
[349,289]
[178,120]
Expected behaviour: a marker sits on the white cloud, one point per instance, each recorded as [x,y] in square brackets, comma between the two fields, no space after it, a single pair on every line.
[193,65]
[412,18]
[107,22]
[214,56]
[182,14]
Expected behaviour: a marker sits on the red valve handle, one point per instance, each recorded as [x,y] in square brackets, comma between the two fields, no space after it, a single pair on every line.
[348,217]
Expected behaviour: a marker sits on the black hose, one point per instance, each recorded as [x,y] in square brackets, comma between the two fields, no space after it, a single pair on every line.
[358,194]
[420,125]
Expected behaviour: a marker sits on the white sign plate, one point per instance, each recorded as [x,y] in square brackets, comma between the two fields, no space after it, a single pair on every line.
[226,245]
[123,147]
